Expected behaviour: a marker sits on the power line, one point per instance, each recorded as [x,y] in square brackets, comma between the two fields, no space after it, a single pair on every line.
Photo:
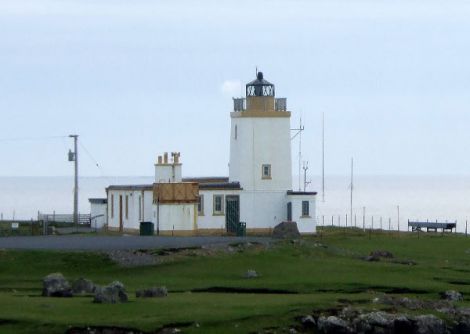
[30,138]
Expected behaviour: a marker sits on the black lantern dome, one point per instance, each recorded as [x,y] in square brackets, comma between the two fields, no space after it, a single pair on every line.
[259,87]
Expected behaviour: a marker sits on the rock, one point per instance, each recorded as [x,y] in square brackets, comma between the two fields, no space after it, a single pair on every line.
[381,253]
[152,292]
[308,321]
[402,325]
[333,325]
[371,258]
[429,324]
[111,294]
[286,230]
[251,274]
[55,285]
[451,295]
[83,286]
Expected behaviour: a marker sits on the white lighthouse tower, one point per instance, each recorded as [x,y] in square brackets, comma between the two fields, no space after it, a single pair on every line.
[260,157]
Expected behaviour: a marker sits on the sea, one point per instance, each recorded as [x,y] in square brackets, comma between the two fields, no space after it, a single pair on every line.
[378,201]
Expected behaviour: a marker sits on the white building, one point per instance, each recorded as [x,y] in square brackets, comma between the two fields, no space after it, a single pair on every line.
[258,191]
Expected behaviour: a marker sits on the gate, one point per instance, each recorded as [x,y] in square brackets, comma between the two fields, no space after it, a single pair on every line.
[232,213]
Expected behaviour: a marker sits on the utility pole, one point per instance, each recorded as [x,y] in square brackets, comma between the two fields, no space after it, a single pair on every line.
[73,156]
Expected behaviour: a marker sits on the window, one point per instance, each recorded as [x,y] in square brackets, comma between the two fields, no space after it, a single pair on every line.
[127,207]
[266,171]
[200,205]
[140,208]
[112,205]
[218,205]
[236,132]
[305,209]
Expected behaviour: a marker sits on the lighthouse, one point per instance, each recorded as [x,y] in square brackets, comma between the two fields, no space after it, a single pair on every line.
[260,156]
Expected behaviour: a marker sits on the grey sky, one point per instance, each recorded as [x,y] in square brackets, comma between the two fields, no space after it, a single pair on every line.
[135,78]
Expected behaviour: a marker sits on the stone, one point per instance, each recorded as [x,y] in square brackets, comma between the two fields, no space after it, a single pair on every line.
[371,258]
[451,295]
[83,286]
[286,230]
[112,294]
[308,321]
[251,274]
[381,253]
[333,325]
[429,324]
[152,292]
[55,285]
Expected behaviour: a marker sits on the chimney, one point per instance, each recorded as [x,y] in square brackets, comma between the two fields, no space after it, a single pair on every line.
[165,157]
[160,159]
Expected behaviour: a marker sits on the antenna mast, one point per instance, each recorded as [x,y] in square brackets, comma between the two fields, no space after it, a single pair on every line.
[323,158]
[305,168]
[352,186]
[299,133]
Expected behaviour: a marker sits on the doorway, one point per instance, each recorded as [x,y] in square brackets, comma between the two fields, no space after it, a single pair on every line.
[232,213]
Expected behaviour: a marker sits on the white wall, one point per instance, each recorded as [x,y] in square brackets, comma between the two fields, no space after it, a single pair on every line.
[304,224]
[132,220]
[98,209]
[263,209]
[209,220]
[260,140]
[177,217]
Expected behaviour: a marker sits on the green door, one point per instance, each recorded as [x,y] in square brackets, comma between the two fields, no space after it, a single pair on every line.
[232,213]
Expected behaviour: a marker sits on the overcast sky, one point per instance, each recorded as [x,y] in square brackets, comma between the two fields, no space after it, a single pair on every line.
[136,78]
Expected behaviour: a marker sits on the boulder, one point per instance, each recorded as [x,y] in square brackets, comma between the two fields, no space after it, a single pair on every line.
[251,274]
[451,295]
[371,258]
[286,230]
[429,324]
[83,286]
[152,292]
[111,294]
[55,285]
[333,325]
[381,253]
[308,321]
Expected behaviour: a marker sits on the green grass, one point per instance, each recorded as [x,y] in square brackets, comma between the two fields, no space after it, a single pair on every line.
[317,277]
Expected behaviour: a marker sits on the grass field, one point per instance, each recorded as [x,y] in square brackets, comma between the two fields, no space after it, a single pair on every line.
[313,274]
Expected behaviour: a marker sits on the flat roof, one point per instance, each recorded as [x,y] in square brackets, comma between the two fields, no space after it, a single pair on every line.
[220,185]
[305,193]
[98,200]
[131,187]
[206,179]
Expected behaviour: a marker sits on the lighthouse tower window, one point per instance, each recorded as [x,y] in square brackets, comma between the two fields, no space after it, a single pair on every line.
[266,171]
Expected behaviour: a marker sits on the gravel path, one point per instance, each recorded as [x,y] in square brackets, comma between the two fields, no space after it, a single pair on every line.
[118,242]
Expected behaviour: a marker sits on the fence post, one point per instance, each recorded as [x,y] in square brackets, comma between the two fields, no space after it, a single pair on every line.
[346,220]
[465,228]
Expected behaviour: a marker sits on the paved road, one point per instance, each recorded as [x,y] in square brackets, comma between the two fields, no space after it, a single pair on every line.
[118,242]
